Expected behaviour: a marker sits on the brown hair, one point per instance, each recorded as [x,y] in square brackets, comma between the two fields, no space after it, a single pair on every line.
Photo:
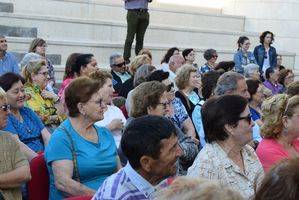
[87,88]
[36,43]
[32,67]
[100,76]
[281,182]
[145,95]
[183,76]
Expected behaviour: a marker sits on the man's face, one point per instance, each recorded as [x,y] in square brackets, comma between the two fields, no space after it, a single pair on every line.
[178,62]
[242,89]
[3,44]
[119,65]
[165,165]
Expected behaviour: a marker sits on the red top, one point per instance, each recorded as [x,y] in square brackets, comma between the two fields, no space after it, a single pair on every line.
[269,151]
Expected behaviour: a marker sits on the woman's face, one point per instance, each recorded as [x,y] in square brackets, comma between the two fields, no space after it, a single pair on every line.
[191,57]
[16,95]
[41,77]
[268,38]
[176,52]
[256,75]
[289,79]
[162,109]
[259,96]
[195,80]
[245,46]
[242,133]
[4,111]
[89,68]
[41,50]
[214,58]
[95,107]
[293,123]
[108,90]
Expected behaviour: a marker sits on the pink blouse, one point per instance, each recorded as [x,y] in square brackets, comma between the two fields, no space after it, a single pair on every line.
[269,151]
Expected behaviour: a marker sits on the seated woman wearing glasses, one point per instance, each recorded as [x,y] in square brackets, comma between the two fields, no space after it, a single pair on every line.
[41,101]
[226,157]
[155,102]
[22,121]
[81,155]
[280,130]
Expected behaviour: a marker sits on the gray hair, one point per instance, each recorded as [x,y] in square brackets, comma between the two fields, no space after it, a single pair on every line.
[142,72]
[227,82]
[114,56]
[30,57]
[250,69]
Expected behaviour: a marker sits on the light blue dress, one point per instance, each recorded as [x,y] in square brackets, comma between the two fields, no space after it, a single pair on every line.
[96,161]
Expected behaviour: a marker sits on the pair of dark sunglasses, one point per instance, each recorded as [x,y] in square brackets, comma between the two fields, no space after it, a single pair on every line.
[247,118]
[5,107]
[168,87]
[120,64]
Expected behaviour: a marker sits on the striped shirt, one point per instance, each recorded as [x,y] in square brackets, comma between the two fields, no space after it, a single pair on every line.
[125,184]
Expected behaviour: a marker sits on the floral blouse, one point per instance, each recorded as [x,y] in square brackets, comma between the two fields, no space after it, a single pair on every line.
[43,107]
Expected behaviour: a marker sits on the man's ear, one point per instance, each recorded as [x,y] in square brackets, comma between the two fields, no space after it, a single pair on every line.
[146,163]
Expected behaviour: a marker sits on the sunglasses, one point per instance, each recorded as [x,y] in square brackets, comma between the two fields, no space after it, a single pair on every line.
[5,107]
[168,87]
[120,64]
[247,118]
[215,56]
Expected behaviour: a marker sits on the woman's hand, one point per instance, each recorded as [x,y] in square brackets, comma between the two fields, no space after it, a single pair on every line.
[115,124]
[49,95]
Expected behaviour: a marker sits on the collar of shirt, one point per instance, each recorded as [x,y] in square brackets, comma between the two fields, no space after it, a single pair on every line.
[125,76]
[227,162]
[139,182]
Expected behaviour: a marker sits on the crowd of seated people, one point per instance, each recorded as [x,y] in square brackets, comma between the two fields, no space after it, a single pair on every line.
[177,130]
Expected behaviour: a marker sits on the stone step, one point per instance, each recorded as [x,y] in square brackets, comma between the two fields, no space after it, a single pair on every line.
[102,51]
[61,28]
[165,14]
[17,31]
[6,7]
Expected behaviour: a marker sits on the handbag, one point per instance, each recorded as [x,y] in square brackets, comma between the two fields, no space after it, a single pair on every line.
[76,175]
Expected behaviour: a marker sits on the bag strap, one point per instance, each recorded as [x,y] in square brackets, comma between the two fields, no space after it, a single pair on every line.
[76,170]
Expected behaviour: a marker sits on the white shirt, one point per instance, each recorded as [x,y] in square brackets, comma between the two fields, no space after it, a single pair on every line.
[266,63]
[112,113]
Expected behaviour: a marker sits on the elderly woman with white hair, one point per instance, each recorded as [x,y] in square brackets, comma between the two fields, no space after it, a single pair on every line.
[252,71]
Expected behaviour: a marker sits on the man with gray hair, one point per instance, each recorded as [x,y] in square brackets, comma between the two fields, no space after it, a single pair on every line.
[174,63]
[8,62]
[252,71]
[118,70]
[234,83]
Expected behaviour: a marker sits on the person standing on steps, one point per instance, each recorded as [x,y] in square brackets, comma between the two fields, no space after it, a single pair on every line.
[137,23]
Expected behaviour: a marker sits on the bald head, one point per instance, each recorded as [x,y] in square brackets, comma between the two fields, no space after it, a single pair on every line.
[175,62]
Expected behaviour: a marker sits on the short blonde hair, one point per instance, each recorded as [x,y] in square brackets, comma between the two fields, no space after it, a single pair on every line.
[32,67]
[186,188]
[183,76]
[272,113]
[100,76]
[146,52]
[139,61]
[2,94]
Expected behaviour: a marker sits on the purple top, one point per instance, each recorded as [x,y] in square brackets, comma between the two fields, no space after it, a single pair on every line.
[275,88]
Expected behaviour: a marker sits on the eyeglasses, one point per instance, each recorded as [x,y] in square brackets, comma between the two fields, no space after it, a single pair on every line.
[5,107]
[247,118]
[215,56]
[165,104]
[100,102]
[44,45]
[43,73]
[120,64]
[168,87]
